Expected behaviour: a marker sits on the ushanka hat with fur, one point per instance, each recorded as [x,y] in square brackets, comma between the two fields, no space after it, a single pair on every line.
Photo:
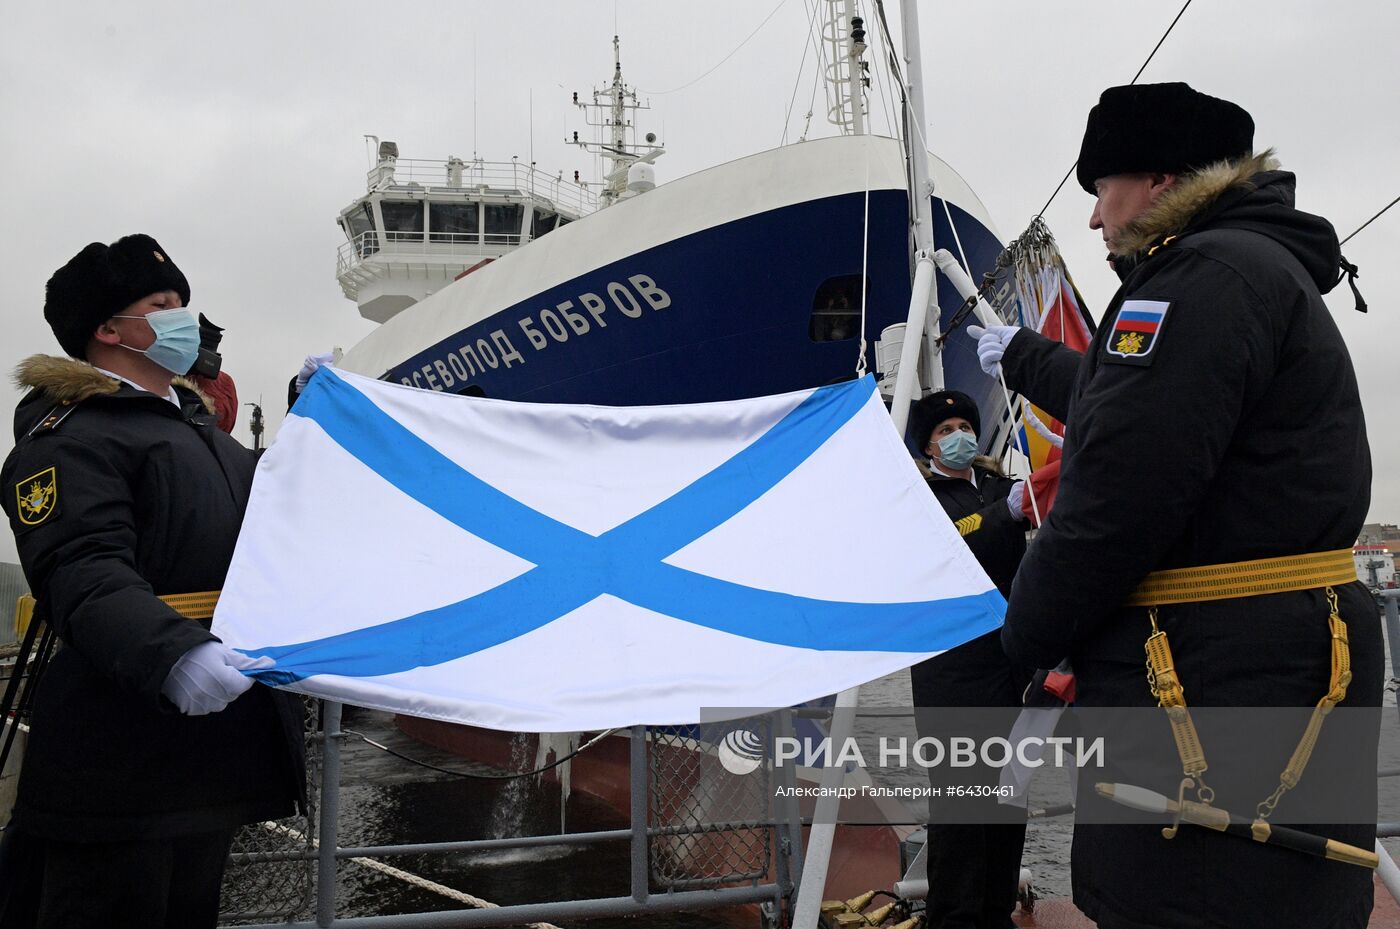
[925,415]
[1167,128]
[101,281]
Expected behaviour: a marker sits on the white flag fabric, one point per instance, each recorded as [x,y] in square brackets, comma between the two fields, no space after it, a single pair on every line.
[548,568]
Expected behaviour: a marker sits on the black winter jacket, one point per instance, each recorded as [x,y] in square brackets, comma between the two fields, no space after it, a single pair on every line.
[997,538]
[123,499]
[1231,430]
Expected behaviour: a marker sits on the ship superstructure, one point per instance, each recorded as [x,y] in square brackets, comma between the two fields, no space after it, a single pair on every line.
[420,225]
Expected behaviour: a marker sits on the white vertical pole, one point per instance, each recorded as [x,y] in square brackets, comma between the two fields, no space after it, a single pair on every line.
[923,321]
[807,910]
[906,382]
[1389,873]
[914,142]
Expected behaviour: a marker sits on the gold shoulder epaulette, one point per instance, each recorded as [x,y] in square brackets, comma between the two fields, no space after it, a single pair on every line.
[52,418]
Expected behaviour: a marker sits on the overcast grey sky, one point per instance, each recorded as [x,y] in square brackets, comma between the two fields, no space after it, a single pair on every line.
[233,132]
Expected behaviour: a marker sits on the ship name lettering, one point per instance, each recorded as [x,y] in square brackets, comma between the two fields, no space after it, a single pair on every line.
[488,355]
[503,344]
[469,356]
[654,295]
[461,365]
[576,321]
[629,306]
[443,372]
[554,325]
[536,337]
[596,308]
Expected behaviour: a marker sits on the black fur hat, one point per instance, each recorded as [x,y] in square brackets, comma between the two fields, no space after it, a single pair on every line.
[925,415]
[101,281]
[1167,128]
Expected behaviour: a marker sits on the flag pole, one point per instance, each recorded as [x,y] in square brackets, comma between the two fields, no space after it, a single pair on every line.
[807,910]
[920,326]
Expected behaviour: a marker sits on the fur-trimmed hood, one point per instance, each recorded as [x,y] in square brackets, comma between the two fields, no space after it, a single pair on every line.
[1187,199]
[67,380]
[1246,193]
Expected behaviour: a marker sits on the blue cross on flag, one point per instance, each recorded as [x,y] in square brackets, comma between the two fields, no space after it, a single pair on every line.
[546,568]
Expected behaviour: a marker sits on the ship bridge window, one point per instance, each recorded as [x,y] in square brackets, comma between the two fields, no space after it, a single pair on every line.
[503,223]
[359,223]
[454,223]
[542,222]
[403,219]
[836,309]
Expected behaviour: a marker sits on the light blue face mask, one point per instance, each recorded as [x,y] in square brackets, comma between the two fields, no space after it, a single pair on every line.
[177,339]
[957,449]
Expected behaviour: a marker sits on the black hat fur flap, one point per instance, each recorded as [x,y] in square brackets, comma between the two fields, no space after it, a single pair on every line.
[101,281]
[1166,128]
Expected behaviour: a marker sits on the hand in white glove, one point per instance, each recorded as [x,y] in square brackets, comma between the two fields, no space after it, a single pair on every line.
[311,365]
[1016,500]
[991,344]
[207,678]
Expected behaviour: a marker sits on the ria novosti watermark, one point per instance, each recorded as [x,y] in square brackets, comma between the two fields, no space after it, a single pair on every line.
[955,752]
[978,762]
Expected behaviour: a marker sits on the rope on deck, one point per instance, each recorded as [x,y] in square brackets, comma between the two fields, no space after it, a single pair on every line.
[407,877]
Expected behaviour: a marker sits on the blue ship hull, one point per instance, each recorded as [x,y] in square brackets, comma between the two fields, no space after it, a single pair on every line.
[738,305]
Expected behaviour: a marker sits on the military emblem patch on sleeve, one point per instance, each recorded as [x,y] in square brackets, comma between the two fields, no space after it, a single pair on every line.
[37,497]
[1136,331]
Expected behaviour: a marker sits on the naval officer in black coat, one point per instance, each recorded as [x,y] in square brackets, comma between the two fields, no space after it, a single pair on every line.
[974,862]
[1214,420]
[149,746]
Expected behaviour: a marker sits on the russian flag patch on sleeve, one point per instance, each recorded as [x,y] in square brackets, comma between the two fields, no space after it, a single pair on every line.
[1136,331]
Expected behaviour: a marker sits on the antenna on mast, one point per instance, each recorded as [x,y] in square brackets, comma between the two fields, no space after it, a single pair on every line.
[612,115]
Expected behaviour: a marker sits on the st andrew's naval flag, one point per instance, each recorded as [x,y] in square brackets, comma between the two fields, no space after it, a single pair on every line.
[539,567]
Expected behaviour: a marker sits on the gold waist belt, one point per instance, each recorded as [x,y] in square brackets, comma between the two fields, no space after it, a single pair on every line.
[1245,578]
[191,606]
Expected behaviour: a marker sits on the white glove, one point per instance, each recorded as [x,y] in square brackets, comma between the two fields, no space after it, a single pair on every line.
[1015,500]
[991,344]
[207,678]
[311,365]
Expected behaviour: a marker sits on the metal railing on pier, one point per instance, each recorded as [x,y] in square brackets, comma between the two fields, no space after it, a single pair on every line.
[678,859]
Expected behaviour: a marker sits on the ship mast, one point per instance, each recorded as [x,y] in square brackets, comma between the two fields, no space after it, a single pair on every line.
[922,327]
[612,113]
[846,75]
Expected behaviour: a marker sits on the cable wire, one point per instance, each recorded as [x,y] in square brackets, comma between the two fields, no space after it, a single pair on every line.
[1371,220]
[483,777]
[662,93]
[1061,185]
[806,46]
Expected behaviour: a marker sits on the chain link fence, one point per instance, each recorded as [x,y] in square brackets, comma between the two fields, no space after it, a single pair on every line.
[711,801]
[257,890]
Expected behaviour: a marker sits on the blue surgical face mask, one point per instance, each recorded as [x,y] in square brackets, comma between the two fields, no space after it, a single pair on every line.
[957,449]
[177,339]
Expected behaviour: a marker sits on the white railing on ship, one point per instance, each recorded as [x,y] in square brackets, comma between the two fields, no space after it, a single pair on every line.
[445,245]
[496,175]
